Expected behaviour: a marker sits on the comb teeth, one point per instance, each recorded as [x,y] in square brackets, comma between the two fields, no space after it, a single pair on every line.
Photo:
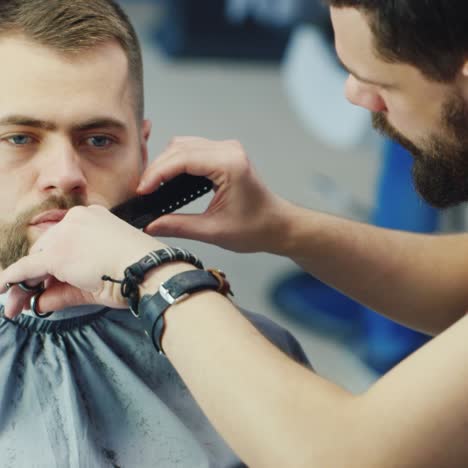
[169,197]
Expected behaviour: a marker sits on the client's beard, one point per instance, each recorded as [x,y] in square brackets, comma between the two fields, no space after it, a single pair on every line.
[14,240]
[440,170]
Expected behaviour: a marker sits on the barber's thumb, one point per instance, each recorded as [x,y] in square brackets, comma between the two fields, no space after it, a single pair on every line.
[188,226]
[59,296]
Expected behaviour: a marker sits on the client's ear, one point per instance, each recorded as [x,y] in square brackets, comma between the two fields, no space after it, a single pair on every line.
[144,138]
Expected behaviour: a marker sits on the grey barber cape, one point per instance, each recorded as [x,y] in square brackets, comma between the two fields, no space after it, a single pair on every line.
[86,389]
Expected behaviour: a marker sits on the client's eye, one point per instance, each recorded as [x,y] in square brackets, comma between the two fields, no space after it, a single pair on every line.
[100,141]
[20,140]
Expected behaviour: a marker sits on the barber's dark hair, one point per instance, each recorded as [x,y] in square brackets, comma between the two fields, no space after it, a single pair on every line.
[432,35]
[71,26]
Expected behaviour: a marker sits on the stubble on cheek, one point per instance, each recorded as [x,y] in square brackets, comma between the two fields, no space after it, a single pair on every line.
[14,243]
[15,237]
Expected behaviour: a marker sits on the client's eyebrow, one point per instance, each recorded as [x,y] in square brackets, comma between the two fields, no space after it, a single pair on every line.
[95,123]
[104,122]
[24,121]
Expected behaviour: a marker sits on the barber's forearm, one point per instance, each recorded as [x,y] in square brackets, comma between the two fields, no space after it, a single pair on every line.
[274,412]
[419,280]
[263,403]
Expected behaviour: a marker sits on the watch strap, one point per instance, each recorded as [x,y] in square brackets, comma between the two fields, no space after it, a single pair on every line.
[176,289]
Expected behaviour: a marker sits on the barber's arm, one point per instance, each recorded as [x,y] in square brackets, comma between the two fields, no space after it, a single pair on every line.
[415,279]
[274,412]
[418,280]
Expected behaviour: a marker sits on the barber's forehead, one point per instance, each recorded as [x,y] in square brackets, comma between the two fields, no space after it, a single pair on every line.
[353,35]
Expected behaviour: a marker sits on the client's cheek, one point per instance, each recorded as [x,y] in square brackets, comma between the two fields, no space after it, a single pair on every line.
[14,244]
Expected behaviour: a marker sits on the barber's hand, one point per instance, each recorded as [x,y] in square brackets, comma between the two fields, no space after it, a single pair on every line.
[71,258]
[243,215]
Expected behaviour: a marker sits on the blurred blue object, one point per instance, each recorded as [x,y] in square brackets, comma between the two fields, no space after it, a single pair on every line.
[313,304]
[398,207]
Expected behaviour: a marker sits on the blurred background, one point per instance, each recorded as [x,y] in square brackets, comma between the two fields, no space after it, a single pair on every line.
[264,72]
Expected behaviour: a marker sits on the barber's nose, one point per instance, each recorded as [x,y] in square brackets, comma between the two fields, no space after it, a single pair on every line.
[61,171]
[363,95]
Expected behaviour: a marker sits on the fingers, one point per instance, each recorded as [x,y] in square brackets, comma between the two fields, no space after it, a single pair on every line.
[20,296]
[56,296]
[151,179]
[195,156]
[31,269]
[189,226]
[17,301]
[60,295]
[165,171]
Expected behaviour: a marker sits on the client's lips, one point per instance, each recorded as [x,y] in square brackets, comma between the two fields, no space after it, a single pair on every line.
[53,216]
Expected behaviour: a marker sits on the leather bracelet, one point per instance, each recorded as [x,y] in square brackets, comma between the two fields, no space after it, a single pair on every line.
[173,291]
[160,257]
[134,275]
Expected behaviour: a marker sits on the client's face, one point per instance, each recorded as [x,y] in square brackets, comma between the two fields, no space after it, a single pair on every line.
[68,136]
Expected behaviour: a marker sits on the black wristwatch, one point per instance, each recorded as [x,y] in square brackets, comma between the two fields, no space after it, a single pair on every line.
[151,309]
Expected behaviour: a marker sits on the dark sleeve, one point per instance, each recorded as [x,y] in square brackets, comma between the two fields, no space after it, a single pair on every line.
[280,337]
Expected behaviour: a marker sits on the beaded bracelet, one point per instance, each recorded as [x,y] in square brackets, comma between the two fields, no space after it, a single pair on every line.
[134,275]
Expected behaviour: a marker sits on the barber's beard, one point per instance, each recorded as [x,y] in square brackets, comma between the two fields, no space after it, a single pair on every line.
[15,241]
[440,170]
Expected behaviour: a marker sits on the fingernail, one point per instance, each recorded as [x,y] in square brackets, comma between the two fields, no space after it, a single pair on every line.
[142,186]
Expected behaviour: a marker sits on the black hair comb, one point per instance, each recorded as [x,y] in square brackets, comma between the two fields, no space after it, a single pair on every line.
[169,197]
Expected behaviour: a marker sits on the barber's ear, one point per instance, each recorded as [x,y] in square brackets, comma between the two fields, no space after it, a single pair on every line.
[145,135]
